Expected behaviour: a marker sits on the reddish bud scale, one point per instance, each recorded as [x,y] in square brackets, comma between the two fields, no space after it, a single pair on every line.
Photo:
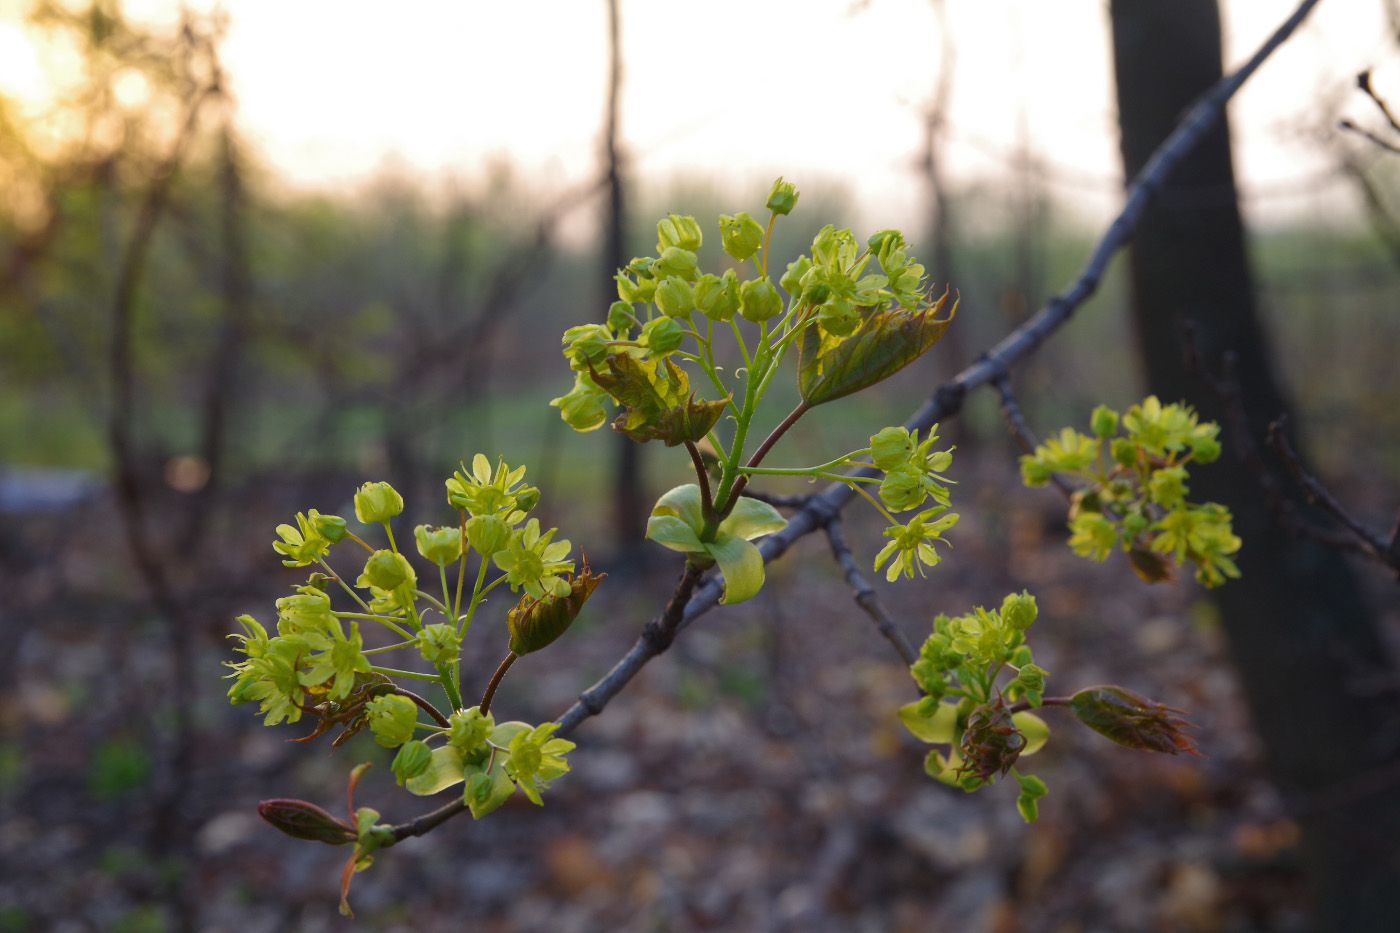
[992,743]
[1133,720]
[303,820]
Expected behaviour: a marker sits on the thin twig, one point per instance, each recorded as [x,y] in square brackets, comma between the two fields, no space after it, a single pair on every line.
[779,501]
[865,593]
[1361,130]
[1016,419]
[496,682]
[707,502]
[1371,544]
[1363,81]
[691,601]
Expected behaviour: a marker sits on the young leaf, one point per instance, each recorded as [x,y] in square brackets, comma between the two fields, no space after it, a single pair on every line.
[882,344]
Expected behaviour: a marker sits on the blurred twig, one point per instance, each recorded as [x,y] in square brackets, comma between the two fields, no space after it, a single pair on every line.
[865,593]
[1366,541]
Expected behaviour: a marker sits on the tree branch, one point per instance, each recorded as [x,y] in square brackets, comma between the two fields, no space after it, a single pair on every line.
[865,593]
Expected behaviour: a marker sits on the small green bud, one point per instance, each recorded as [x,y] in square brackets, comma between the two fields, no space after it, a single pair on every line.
[308,611]
[587,344]
[1104,421]
[377,502]
[392,719]
[741,234]
[891,448]
[816,294]
[1203,449]
[1134,524]
[882,240]
[389,571]
[716,297]
[621,317]
[635,291]
[487,534]
[330,527]
[439,643]
[662,335]
[442,546]
[1124,452]
[792,278]
[903,489]
[527,497]
[783,198]
[759,300]
[675,298]
[838,317]
[469,729]
[678,231]
[1019,611]
[412,760]
[676,262]
[302,820]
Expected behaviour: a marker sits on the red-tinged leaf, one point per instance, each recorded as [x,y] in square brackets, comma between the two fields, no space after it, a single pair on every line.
[1133,720]
[657,404]
[882,344]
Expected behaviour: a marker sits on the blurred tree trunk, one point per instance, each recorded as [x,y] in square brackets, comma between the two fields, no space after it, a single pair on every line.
[628,502]
[1300,634]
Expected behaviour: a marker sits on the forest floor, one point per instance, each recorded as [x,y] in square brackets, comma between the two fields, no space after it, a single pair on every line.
[752,778]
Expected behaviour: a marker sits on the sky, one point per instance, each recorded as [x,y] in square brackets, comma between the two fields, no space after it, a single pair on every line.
[825,92]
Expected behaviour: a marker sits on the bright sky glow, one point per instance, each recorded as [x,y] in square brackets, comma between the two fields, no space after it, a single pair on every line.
[823,91]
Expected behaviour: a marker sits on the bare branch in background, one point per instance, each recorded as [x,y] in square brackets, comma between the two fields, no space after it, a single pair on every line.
[865,593]
[1371,544]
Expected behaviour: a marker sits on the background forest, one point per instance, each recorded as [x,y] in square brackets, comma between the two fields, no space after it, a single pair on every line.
[192,349]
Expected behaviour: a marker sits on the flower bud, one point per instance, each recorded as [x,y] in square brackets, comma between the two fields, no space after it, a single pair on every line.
[1124,452]
[392,719]
[903,489]
[675,298]
[439,643]
[759,300]
[882,241]
[783,198]
[587,344]
[389,571]
[442,546]
[377,502]
[330,527]
[1018,611]
[716,297]
[1104,421]
[621,317]
[536,623]
[635,291]
[662,335]
[676,262]
[412,760]
[1205,449]
[678,231]
[487,534]
[792,278]
[527,497]
[891,448]
[838,317]
[469,729]
[1129,719]
[741,234]
[1150,566]
[302,820]
[816,294]
[1033,471]
[308,611]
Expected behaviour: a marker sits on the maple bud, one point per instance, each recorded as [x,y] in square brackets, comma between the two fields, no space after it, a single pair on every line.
[303,820]
[1133,720]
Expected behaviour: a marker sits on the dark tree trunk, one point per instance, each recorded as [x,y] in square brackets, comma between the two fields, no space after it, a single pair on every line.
[1299,632]
[629,506]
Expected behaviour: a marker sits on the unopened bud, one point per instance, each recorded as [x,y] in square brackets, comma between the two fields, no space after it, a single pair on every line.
[536,623]
[389,571]
[1129,719]
[675,297]
[783,198]
[741,234]
[718,297]
[759,300]
[303,820]
[675,230]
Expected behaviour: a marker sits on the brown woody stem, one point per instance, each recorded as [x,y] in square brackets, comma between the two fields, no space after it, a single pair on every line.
[496,682]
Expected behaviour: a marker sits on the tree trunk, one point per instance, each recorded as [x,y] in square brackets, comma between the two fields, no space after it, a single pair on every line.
[1299,632]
